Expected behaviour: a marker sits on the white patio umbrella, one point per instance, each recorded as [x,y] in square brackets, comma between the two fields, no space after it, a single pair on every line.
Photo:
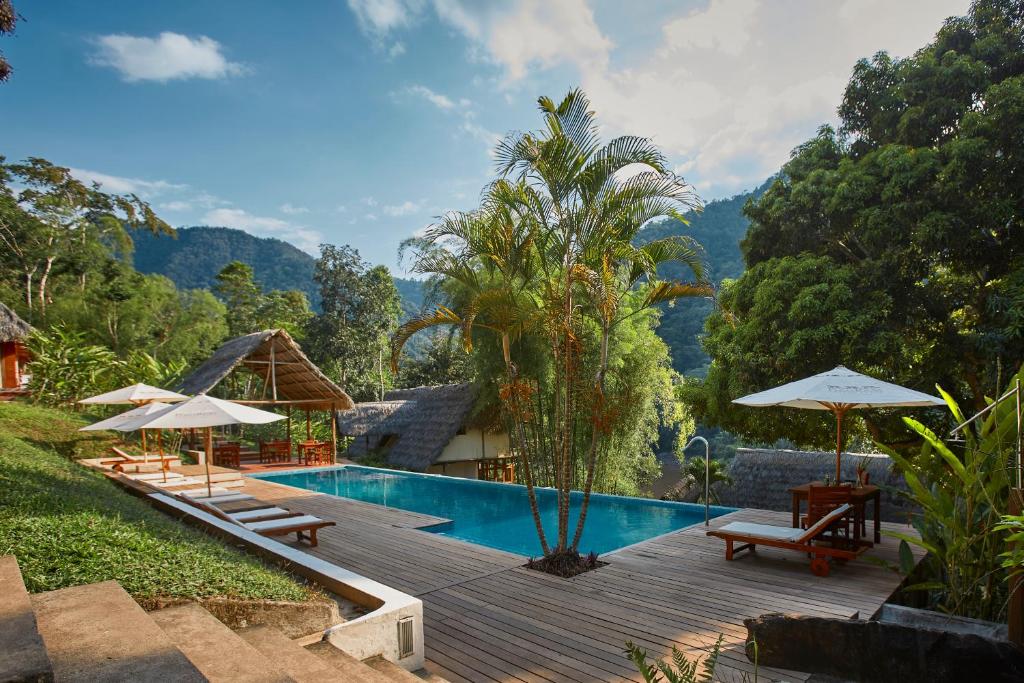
[206,411]
[840,390]
[136,394]
[131,420]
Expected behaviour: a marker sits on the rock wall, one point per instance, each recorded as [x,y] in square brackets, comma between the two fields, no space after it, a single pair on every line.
[762,478]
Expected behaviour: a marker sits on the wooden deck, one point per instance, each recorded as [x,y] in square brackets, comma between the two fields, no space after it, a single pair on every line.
[486,618]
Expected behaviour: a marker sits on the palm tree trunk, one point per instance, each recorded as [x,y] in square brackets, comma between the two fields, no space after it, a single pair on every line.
[595,431]
[524,456]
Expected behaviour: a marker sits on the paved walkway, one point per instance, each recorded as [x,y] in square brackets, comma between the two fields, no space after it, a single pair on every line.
[489,619]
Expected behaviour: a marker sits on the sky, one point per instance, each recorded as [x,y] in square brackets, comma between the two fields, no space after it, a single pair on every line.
[357,122]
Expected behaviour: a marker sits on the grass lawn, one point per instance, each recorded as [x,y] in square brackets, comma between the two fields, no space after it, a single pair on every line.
[69,525]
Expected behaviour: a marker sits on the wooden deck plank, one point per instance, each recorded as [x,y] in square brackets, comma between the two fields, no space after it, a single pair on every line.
[487,618]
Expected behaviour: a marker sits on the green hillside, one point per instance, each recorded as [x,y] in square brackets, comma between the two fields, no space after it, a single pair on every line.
[193,258]
[719,229]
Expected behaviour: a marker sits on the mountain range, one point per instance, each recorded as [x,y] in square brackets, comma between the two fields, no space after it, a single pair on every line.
[195,255]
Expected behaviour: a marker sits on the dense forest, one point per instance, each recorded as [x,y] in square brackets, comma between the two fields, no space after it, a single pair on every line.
[193,256]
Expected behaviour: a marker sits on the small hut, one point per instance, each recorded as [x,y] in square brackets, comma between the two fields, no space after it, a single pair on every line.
[13,352]
[286,377]
[429,429]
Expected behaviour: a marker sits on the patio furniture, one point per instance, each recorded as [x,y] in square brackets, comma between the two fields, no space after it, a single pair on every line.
[303,526]
[227,455]
[275,451]
[805,541]
[859,498]
[315,453]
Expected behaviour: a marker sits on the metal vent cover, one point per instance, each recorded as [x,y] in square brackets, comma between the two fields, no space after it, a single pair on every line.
[406,648]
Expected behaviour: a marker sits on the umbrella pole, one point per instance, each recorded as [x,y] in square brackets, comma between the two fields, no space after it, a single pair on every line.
[840,413]
[145,453]
[209,454]
[160,450]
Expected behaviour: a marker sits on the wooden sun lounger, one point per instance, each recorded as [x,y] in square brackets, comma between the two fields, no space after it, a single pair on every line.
[303,526]
[801,540]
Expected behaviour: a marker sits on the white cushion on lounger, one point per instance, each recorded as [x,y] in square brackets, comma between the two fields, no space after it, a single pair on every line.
[254,514]
[217,499]
[196,493]
[277,523]
[825,522]
[768,531]
[183,481]
[159,476]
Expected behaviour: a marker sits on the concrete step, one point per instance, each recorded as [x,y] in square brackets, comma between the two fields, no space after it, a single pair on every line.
[391,670]
[214,649]
[22,651]
[298,662]
[348,666]
[97,633]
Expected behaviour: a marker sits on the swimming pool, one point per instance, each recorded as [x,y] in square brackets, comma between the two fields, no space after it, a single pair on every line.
[498,515]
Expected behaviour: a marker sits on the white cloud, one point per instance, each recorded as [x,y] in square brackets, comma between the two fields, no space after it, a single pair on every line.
[169,56]
[406,208]
[265,226]
[293,210]
[723,26]
[176,206]
[396,50]
[122,185]
[341,208]
[437,99]
[381,16]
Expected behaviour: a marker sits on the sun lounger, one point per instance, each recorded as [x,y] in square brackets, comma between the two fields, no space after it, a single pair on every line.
[802,540]
[303,526]
[224,496]
[260,514]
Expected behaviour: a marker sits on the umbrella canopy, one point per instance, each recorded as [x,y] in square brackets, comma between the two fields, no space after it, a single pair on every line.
[130,420]
[136,393]
[840,390]
[206,411]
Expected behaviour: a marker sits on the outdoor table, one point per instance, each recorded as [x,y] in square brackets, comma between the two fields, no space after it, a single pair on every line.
[311,452]
[859,497]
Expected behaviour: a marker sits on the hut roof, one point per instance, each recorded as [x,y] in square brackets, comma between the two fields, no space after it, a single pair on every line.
[298,379]
[424,419]
[12,328]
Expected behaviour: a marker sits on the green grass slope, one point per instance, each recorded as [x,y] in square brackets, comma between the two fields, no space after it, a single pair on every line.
[69,525]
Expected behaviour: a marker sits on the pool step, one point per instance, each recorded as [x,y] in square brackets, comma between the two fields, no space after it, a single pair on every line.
[23,654]
[350,668]
[392,670]
[217,651]
[299,663]
[97,634]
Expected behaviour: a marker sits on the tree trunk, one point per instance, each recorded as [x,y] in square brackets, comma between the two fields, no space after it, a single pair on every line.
[42,284]
[595,431]
[29,275]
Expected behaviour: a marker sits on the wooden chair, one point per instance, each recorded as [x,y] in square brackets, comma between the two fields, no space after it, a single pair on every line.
[822,500]
[316,453]
[282,523]
[275,451]
[806,541]
[227,455]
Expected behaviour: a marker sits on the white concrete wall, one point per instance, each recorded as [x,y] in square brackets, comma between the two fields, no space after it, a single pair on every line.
[475,444]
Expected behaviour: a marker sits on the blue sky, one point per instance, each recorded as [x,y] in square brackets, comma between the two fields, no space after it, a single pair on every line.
[357,122]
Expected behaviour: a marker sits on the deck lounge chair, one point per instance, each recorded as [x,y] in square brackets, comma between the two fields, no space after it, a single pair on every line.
[802,540]
[303,526]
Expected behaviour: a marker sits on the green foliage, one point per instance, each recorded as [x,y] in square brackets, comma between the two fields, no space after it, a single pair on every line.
[441,360]
[349,339]
[908,216]
[66,368]
[963,491]
[1013,558]
[68,526]
[250,310]
[681,669]
[694,474]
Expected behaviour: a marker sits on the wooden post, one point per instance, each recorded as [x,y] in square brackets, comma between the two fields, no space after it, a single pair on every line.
[289,425]
[309,434]
[334,434]
[209,456]
[145,451]
[273,372]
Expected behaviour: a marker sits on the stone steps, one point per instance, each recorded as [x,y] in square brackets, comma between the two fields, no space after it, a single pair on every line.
[98,634]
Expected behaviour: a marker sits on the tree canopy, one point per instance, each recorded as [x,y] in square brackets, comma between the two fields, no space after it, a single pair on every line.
[892,245]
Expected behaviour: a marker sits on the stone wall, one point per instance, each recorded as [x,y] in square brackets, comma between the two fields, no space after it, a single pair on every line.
[762,478]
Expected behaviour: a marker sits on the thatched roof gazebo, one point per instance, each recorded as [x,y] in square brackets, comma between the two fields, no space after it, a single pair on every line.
[13,352]
[287,376]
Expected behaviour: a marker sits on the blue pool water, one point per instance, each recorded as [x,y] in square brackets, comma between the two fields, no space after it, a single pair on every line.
[498,515]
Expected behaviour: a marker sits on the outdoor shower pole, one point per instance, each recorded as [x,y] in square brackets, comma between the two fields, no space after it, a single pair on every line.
[707,474]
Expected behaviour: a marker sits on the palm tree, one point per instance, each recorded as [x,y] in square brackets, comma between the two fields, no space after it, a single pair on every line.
[550,248]
[693,477]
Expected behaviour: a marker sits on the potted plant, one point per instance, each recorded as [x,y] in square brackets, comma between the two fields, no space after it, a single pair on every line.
[863,476]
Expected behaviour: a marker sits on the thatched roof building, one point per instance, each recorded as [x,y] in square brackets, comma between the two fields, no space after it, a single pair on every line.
[12,327]
[414,425]
[288,375]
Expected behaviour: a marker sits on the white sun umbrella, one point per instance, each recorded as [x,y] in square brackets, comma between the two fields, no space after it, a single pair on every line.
[130,421]
[206,411]
[840,390]
[136,394]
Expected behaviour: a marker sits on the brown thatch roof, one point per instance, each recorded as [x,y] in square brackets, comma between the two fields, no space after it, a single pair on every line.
[12,328]
[298,379]
[424,419]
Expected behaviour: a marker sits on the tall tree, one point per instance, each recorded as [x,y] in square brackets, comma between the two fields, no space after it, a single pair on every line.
[550,255]
[360,311]
[894,244]
[249,309]
[8,19]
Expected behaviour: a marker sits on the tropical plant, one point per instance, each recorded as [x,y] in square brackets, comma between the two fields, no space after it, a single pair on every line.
[548,259]
[681,669]
[962,491]
[1013,558]
[694,474]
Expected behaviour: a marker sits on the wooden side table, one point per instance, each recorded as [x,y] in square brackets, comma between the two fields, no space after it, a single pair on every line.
[859,497]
